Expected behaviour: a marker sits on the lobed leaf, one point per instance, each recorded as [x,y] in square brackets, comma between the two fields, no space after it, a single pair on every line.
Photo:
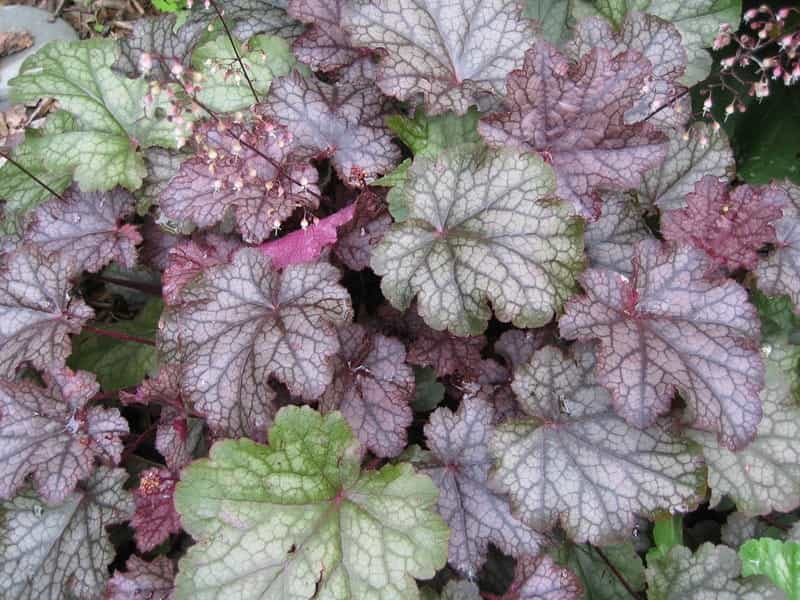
[142,580]
[611,240]
[154,517]
[357,238]
[541,578]
[779,272]
[780,561]
[324,46]
[188,260]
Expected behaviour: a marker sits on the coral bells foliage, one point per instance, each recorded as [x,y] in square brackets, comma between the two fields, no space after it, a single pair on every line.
[398,299]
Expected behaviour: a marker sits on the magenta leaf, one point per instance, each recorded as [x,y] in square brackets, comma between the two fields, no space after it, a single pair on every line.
[37,312]
[88,226]
[460,465]
[573,115]
[360,235]
[143,580]
[343,121]
[242,322]
[52,434]
[669,329]
[728,225]
[541,578]
[324,45]
[260,187]
[454,54]
[155,517]
[611,239]
[188,260]
[779,272]
[372,387]
[306,245]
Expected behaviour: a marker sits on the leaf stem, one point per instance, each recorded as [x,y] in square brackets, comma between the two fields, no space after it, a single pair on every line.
[31,175]
[117,335]
[235,49]
[147,288]
[616,573]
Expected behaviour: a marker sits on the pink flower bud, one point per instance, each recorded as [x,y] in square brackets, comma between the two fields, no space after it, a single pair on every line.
[783,13]
[761,88]
[145,63]
[750,15]
[722,40]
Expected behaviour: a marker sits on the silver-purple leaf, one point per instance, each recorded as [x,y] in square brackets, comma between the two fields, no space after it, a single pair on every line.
[372,387]
[155,517]
[63,551]
[517,346]
[541,578]
[358,237]
[241,323]
[143,580]
[89,227]
[454,54]
[37,312]
[188,260]
[573,115]
[669,329]
[610,240]
[477,515]
[574,462]
[343,121]
[248,170]
[779,272]
[52,434]
[324,45]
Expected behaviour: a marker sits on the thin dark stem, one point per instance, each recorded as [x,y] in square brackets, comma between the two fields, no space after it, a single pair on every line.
[130,448]
[235,49]
[118,335]
[32,176]
[490,596]
[669,102]
[616,573]
[147,288]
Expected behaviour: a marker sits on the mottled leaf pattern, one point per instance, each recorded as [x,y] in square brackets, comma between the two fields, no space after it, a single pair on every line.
[37,312]
[142,580]
[372,387]
[259,181]
[459,466]
[669,329]
[358,237]
[55,552]
[597,573]
[576,463]
[157,36]
[242,322]
[454,54]
[343,121]
[730,226]
[541,578]
[478,232]
[324,45]
[610,241]
[154,518]
[573,115]
[779,272]
[299,517]
[88,227]
[188,260]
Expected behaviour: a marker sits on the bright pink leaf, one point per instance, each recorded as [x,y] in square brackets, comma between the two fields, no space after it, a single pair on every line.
[52,434]
[669,329]
[731,226]
[155,518]
[573,115]
[143,580]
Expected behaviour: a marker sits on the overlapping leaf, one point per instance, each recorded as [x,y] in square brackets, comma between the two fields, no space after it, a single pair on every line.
[324,45]
[142,580]
[188,260]
[53,434]
[54,552]
[573,115]
[610,240]
[155,517]
[578,464]
[541,578]
[459,464]
[780,561]
[692,155]
[241,323]
[88,227]
[358,237]
[372,387]
[37,312]
[455,55]
[478,231]
[600,569]
[669,329]
[299,517]
[779,272]
[248,170]
[343,121]
[730,226]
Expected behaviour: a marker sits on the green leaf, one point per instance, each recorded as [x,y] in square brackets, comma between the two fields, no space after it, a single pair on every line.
[299,518]
[168,6]
[598,579]
[396,180]
[667,533]
[553,17]
[224,87]
[103,149]
[778,319]
[780,561]
[429,392]
[117,363]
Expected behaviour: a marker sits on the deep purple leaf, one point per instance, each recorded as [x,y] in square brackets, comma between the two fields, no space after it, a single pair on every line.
[342,121]
[541,578]
[188,260]
[155,517]
[517,346]
[156,244]
[731,226]
[324,45]
[89,227]
[359,236]
[669,329]
[226,175]
[373,387]
[779,273]
[37,312]
[53,434]
[573,115]
[143,580]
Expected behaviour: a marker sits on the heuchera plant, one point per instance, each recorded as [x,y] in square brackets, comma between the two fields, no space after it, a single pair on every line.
[405,299]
